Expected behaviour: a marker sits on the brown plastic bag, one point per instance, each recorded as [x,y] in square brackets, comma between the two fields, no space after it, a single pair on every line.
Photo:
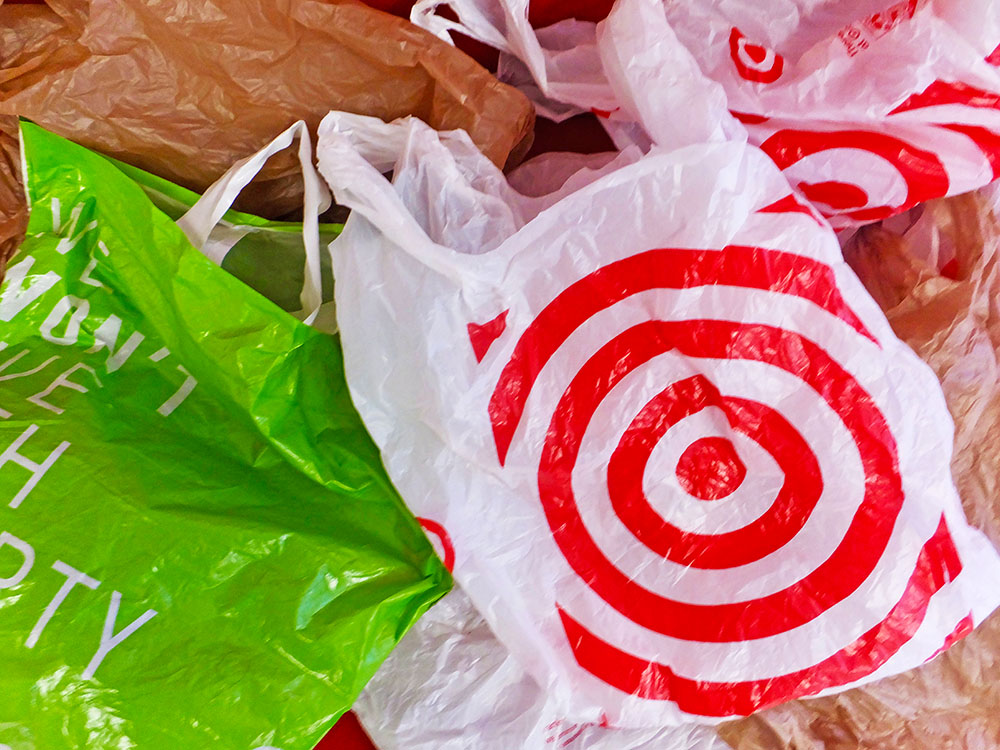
[13,209]
[954,325]
[185,89]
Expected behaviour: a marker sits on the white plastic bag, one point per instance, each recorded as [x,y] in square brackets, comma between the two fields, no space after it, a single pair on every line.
[451,685]
[687,468]
[870,107]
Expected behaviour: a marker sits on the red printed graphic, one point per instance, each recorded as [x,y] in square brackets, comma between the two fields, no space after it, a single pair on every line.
[858,36]
[987,141]
[941,93]
[937,564]
[483,335]
[562,734]
[994,56]
[789,205]
[447,548]
[751,267]
[964,627]
[753,61]
[885,21]
[748,119]
[950,92]
[710,469]
[605,113]
[922,171]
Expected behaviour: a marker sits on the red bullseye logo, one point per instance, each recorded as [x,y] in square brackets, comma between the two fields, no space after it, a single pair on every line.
[712,471]
[869,174]
[753,61]
[919,170]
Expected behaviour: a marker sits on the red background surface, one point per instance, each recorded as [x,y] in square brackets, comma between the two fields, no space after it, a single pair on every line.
[347,735]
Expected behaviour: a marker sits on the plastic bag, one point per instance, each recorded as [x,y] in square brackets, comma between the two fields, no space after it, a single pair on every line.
[953,323]
[198,545]
[13,209]
[451,685]
[210,83]
[268,256]
[869,107]
[592,373]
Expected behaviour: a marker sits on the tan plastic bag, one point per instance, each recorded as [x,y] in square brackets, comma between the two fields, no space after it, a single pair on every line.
[13,209]
[184,89]
[954,325]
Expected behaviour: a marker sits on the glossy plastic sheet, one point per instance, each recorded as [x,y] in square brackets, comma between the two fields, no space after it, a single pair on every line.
[13,209]
[870,107]
[184,90]
[938,282]
[451,685]
[687,469]
[199,546]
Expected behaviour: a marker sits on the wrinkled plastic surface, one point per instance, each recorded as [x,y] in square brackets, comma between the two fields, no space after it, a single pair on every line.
[13,209]
[267,256]
[937,280]
[869,106]
[187,456]
[949,316]
[687,469]
[451,685]
[211,83]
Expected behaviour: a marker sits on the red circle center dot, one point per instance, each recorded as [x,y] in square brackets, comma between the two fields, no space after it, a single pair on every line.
[709,469]
[756,53]
[838,195]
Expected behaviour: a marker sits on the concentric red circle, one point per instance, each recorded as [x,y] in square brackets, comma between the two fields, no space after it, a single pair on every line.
[796,500]
[829,583]
[710,469]
[921,170]
[832,580]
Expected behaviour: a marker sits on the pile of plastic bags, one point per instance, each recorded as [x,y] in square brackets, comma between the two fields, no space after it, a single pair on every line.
[683,442]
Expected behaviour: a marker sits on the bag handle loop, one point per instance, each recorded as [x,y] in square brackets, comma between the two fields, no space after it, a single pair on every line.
[208,211]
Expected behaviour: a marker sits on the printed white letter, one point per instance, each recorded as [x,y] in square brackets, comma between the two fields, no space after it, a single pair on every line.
[15,298]
[109,640]
[73,577]
[107,336]
[182,393]
[80,309]
[29,559]
[4,414]
[62,381]
[37,470]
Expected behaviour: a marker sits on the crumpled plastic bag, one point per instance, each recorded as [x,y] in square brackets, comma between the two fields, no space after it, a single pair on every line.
[13,208]
[451,685]
[870,107]
[687,469]
[184,90]
[198,543]
[954,325]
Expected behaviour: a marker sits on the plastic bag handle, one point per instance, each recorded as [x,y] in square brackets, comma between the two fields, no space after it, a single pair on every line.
[508,30]
[206,214]
[354,151]
[472,23]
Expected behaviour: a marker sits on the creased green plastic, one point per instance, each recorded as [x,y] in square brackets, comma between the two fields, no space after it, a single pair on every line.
[205,550]
[269,257]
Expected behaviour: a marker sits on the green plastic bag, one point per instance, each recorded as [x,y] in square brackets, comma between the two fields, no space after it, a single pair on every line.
[199,546]
[266,255]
